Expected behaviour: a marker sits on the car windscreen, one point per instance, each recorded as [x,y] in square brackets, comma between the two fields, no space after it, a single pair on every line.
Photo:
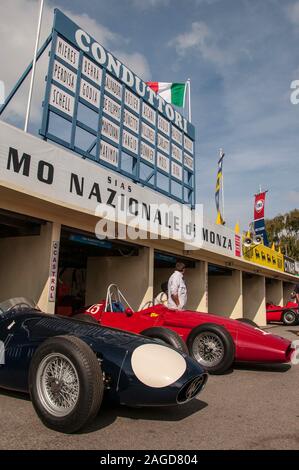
[16,302]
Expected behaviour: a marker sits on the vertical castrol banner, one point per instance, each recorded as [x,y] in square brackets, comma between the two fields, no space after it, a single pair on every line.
[53,271]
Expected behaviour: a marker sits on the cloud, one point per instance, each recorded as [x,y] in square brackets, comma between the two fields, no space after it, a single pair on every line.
[206,2]
[196,38]
[293,12]
[293,197]
[147,4]
[17,32]
[201,40]
[244,107]
[136,62]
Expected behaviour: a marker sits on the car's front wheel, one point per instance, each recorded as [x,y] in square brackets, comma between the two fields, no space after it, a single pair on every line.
[212,347]
[169,337]
[290,318]
[65,383]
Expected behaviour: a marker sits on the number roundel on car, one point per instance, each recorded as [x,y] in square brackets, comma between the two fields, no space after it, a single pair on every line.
[94,309]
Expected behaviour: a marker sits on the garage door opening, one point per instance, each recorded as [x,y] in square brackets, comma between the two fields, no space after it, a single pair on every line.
[288,288]
[274,291]
[86,267]
[195,278]
[164,266]
[225,291]
[24,254]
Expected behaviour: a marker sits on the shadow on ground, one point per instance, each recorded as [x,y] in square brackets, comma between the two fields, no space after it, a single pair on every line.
[109,413]
[263,367]
[295,332]
[19,395]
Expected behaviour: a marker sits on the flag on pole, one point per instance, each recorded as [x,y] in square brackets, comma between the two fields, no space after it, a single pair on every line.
[173,93]
[259,205]
[219,219]
[259,216]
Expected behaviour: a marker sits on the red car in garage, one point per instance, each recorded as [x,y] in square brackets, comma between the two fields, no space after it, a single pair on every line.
[288,315]
[214,341]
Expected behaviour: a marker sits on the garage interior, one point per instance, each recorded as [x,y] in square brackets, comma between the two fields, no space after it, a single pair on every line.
[274,291]
[195,277]
[87,265]
[288,288]
[164,266]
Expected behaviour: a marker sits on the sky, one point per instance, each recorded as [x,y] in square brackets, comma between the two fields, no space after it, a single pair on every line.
[241,57]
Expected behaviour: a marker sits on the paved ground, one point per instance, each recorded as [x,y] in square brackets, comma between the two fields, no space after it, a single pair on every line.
[256,408]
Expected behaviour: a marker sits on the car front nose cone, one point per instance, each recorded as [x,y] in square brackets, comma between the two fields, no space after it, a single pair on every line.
[192,388]
[157,366]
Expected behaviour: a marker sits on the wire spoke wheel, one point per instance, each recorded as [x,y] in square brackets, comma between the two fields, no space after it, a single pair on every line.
[289,317]
[66,383]
[58,384]
[208,349]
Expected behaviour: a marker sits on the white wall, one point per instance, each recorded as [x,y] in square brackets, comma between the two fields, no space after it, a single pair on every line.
[25,266]
[225,295]
[197,284]
[274,291]
[254,298]
[133,275]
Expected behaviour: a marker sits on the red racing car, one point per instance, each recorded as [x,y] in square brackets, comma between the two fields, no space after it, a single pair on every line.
[214,341]
[288,315]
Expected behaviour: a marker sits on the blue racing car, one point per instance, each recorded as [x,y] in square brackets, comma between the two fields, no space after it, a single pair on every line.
[67,365]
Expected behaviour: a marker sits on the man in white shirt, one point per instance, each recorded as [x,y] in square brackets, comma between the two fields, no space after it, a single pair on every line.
[177,290]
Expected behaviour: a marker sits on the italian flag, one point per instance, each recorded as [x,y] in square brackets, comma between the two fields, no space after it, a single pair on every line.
[173,93]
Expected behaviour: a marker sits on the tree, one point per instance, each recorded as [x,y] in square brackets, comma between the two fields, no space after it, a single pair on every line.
[283,230]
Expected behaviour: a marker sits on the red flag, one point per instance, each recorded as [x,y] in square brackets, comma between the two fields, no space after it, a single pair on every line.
[259,206]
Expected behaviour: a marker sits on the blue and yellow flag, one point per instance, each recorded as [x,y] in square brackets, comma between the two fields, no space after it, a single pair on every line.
[219,219]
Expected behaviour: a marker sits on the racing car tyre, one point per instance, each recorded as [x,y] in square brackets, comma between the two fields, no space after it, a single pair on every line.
[290,318]
[65,383]
[170,337]
[248,321]
[212,347]
[85,317]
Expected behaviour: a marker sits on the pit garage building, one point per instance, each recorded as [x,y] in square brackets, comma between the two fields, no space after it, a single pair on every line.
[49,251]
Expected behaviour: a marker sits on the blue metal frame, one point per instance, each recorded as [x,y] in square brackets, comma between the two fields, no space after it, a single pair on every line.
[64,28]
